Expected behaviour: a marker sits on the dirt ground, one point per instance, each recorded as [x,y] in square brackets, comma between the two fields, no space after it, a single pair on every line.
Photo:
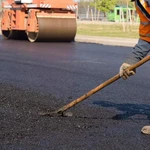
[21,127]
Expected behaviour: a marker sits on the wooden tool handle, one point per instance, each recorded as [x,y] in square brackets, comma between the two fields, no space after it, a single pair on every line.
[101,86]
[140,63]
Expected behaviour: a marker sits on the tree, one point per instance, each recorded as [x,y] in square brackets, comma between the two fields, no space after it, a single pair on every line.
[124,3]
[104,5]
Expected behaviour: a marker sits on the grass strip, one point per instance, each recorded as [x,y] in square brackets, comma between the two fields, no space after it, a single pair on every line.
[108,30]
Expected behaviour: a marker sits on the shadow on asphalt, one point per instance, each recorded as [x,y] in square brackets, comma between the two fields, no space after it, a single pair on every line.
[128,110]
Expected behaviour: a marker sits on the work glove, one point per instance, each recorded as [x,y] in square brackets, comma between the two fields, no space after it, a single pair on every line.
[146,130]
[124,72]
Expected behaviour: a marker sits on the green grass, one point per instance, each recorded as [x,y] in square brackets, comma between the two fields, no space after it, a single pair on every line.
[108,30]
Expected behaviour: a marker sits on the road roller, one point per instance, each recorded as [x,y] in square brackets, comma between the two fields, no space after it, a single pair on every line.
[39,20]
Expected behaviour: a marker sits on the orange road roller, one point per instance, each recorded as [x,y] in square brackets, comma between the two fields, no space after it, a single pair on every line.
[39,20]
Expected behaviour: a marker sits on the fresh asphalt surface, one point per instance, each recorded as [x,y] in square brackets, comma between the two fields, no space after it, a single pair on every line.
[41,76]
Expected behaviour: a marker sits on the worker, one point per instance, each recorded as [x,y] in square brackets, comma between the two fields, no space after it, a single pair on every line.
[142,48]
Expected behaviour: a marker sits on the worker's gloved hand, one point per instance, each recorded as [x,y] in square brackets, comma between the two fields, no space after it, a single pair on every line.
[124,72]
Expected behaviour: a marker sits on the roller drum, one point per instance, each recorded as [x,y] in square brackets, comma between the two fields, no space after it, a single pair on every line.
[54,29]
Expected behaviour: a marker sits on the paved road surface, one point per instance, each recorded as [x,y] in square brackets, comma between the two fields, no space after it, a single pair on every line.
[41,76]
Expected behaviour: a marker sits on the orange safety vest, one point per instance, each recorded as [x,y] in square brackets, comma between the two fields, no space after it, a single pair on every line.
[143,10]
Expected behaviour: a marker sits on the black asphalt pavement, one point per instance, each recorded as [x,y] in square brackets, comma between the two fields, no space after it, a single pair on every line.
[45,76]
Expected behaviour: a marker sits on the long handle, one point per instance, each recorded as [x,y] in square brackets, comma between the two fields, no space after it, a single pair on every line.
[101,86]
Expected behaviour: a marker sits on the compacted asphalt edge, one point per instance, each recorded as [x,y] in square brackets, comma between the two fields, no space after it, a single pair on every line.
[114,41]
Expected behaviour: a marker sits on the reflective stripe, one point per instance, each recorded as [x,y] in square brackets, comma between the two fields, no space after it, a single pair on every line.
[7,6]
[145,23]
[143,8]
[146,35]
[143,3]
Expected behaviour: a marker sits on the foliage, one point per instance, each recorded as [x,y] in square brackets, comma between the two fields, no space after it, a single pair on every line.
[125,3]
[104,5]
